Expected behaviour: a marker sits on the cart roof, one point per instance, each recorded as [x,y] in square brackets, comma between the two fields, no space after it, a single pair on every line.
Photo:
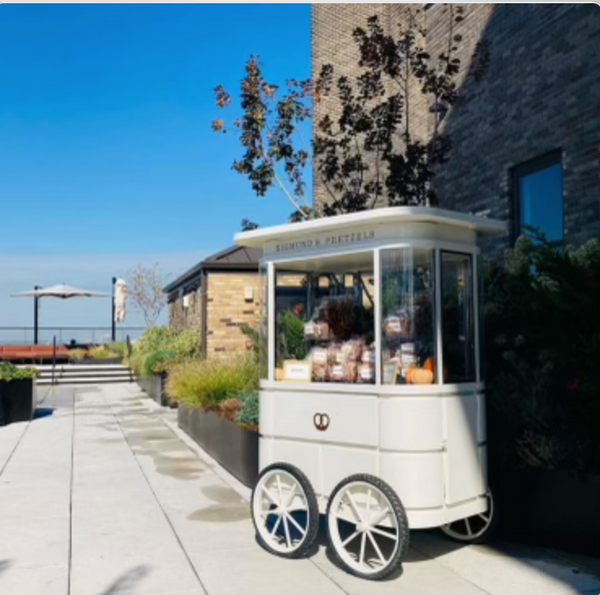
[390,215]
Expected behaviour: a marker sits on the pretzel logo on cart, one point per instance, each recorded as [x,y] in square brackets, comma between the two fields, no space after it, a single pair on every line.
[321,421]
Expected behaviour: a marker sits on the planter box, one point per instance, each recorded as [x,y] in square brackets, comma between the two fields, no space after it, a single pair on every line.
[233,447]
[154,387]
[19,400]
[552,508]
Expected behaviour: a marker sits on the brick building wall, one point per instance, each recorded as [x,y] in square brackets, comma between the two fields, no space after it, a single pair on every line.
[228,309]
[541,92]
[190,317]
[332,28]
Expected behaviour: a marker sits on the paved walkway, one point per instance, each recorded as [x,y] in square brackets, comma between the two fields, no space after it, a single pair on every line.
[106,497]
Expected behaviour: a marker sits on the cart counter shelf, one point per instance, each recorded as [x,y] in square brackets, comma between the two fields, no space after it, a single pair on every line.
[372,405]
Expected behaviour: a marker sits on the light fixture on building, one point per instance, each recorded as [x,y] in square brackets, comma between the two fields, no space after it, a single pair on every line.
[248,294]
[440,108]
[186,301]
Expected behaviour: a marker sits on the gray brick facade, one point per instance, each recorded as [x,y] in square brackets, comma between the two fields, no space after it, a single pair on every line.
[540,93]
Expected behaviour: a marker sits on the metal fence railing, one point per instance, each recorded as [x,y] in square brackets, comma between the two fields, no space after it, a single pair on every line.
[23,335]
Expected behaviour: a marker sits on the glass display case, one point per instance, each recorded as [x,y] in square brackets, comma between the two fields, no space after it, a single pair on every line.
[384,316]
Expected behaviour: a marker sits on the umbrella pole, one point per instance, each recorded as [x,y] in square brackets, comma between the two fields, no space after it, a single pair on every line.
[113,321]
[35,317]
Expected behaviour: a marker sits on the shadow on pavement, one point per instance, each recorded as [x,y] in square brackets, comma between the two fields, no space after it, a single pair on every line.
[127,581]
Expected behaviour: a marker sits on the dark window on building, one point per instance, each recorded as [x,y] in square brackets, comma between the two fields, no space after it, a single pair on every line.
[539,197]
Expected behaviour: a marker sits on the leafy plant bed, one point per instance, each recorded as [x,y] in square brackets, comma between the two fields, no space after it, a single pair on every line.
[154,387]
[18,400]
[552,508]
[233,446]
[92,361]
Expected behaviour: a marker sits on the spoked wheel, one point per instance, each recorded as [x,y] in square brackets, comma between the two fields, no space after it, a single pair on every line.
[285,511]
[473,529]
[367,525]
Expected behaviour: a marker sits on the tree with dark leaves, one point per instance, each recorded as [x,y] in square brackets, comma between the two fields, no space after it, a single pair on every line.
[267,129]
[365,153]
[248,225]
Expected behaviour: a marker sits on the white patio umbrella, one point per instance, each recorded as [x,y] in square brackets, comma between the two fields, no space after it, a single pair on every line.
[56,291]
[60,291]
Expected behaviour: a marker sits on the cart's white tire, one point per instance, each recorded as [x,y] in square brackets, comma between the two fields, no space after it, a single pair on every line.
[367,526]
[285,511]
[473,529]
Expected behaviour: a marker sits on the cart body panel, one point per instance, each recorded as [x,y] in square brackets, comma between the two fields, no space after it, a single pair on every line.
[429,448]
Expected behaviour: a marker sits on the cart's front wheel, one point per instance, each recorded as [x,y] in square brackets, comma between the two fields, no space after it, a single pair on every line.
[474,529]
[285,511]
[368,527]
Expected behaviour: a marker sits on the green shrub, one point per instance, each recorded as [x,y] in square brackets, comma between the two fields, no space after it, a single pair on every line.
[102,352]
[120,349]
[185,344]
[78,353]
[137,363]
[290,336]
[248,415]
[10,372]
[157,362]
[155,338]
[204,383]
[542,354]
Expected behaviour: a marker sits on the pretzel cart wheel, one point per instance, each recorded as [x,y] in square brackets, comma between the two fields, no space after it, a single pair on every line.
[368,527]
[285,511]
[473,529]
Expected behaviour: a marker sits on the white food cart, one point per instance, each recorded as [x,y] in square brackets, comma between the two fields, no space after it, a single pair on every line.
[372,405]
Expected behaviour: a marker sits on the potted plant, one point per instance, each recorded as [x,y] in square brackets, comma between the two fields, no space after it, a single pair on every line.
[218,409]
[155,353]
[18,393]
[543,380]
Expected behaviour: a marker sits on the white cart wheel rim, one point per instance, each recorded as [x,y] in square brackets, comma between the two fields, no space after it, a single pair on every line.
[363,527]
[473,527]
[281,511]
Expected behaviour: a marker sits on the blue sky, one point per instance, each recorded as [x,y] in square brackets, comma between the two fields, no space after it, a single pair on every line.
[107,157]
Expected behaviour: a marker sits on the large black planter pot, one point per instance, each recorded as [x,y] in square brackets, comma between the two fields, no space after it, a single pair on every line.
[19,400]
[553,508]
[154,387]
[233,447]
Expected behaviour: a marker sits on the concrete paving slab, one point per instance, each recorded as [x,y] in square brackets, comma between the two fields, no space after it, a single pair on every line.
[110,478]
[508,568]
[27,503]
[35,542]
[51,580]
[419,575]
[256,571]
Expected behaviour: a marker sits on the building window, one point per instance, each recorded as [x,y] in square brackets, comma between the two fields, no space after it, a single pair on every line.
[539,197]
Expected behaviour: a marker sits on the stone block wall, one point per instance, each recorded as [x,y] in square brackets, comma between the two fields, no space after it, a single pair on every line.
[228,310]
[541,92]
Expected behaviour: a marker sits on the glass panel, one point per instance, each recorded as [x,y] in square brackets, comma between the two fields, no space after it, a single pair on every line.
[407,315]
[542,202]
[325,320]
[261,333]
[458,333]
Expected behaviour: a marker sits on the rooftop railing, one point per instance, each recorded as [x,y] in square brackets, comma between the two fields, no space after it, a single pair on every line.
[23,335]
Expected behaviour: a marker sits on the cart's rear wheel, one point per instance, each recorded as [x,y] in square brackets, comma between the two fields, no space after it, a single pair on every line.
[367,526]
[285,511]
[473,529]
